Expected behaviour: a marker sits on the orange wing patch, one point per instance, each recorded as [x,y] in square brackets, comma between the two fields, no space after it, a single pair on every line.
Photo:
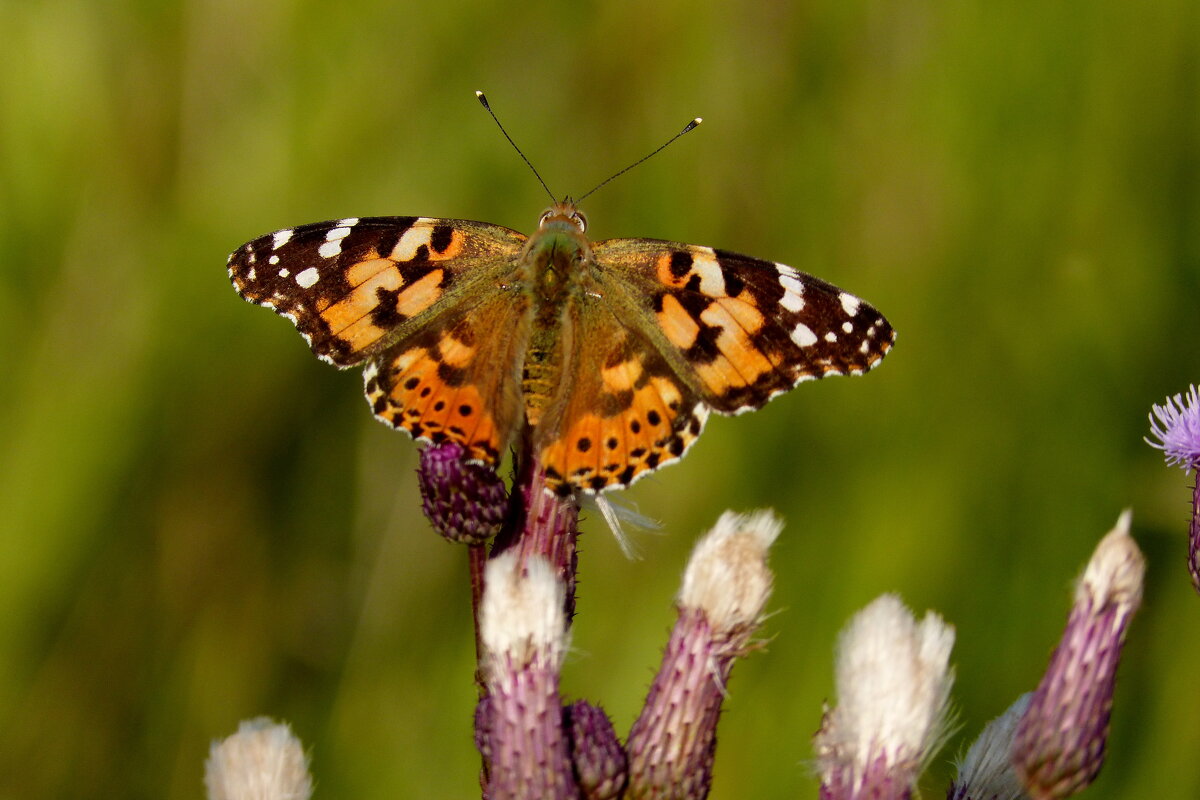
[595,452]
[624,416]
[456,382]
[421,394]
[741,362]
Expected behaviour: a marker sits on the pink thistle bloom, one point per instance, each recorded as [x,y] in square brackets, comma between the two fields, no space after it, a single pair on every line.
[1176,426]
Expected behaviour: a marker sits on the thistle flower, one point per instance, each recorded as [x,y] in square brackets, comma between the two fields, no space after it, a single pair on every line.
[465,502]
[725,587]
[893,686]
[1177,429]
[1176,426]
[1060,741]
[262,761]
[519,724]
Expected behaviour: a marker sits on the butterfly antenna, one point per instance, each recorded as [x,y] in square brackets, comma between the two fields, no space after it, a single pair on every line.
[483,100]
[686,128]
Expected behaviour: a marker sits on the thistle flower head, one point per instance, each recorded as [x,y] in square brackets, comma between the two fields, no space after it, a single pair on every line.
[519,723]
[727,577]
[521,620]
[893,687]
[1060,741]
[727,582]
[262,761]
[465,501]
[1176,427]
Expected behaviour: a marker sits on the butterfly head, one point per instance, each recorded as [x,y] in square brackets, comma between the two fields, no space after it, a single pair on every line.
[563,214]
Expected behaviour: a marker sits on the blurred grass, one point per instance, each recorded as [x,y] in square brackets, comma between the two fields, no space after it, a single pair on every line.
[201,523]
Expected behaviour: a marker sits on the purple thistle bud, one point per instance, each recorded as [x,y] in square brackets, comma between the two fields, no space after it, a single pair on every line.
[986,772]
[519,726]
[893,687]
[263,760]
[725,587]
[1178,432]
[600,763]
[465,501]
[1060,741]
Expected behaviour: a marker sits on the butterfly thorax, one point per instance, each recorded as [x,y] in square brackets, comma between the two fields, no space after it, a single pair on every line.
[555,261]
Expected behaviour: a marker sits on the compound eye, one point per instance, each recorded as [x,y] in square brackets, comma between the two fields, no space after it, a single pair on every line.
[580,220]
[546,215]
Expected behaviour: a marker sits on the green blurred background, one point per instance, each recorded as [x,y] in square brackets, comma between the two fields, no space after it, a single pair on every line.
[201,523]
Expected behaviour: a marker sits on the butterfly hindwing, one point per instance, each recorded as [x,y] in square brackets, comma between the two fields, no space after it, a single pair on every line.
[624,409]
[457,381]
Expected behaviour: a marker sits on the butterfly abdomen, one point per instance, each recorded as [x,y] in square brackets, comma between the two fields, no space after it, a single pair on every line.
[543,364]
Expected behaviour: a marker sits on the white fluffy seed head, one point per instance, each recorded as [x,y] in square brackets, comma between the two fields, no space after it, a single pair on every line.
[521,617]
[986,770]
[727,576]
[1116,572]
[893,687]
[262,761]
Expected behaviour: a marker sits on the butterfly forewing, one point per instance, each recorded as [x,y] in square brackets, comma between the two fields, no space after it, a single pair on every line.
[353,287]
[747,329]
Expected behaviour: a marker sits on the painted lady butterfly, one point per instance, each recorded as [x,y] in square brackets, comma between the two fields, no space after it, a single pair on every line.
[608,355]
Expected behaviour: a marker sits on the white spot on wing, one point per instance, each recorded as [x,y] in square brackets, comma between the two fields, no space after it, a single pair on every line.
[793,288]
[803,335]
[704,264]
[274,259]
[283,273]
[308,277]
[331,248]
[831,337]
[340,232]
[848,327]
[865,346]
[792,302]
[280,238]
[348,222]
[251,275]
[850,303]
[412,239]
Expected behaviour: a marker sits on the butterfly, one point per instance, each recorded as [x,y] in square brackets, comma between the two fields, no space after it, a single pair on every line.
[608,356]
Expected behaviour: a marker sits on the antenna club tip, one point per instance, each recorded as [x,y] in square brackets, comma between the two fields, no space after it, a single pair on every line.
[697,120]
[478,93]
